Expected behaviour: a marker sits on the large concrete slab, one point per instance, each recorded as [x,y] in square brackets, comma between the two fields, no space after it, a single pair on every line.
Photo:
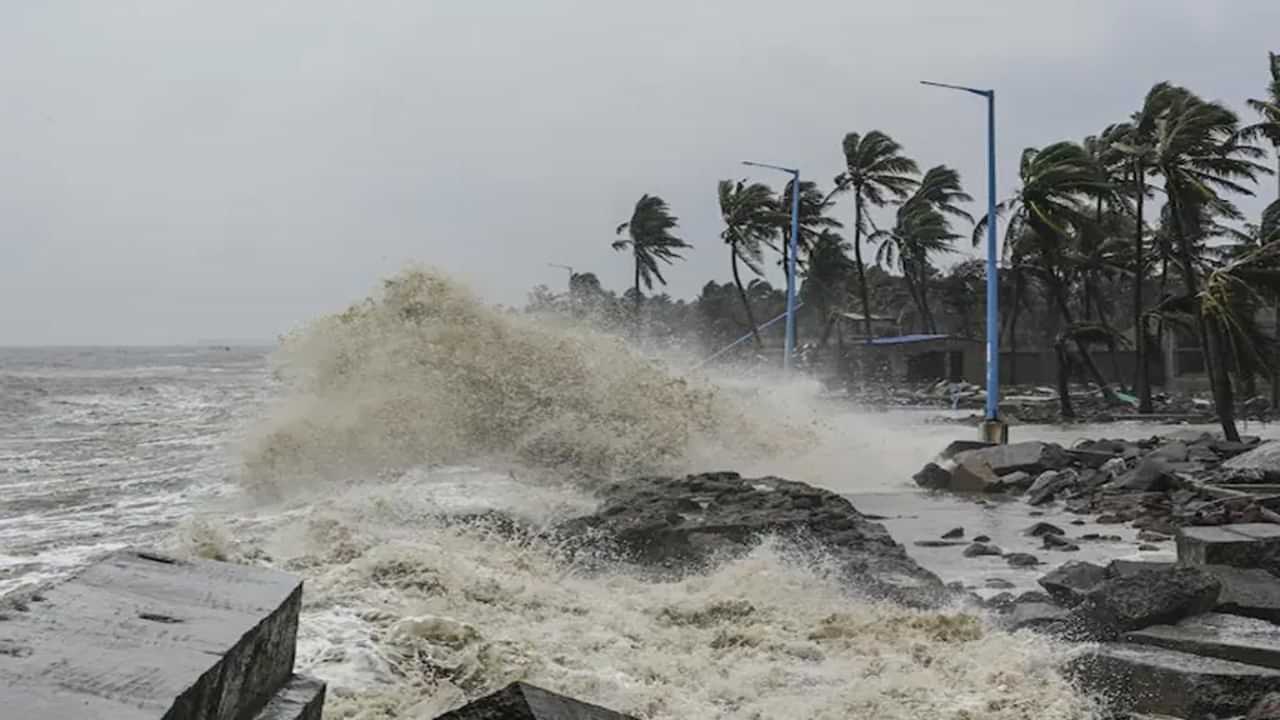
[1251,592]
[140,636]
[1240,545]
[301,699]
[519,701]
[1229,637]
[1146,679]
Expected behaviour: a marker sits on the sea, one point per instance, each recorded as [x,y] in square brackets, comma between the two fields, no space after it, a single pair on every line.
[346,452]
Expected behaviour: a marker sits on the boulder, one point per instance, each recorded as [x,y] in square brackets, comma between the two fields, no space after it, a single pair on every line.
[958,446]
[978,549]
[1268,708]
[1152,474]
[1041,529]
[1048,485]
[1029,457]
[953,533]
[519,701]
[1129,568]
[685,524]
[1021,560]
[1239,545]
[933,477]
[1131,603]
[973,474]
[1249,592]
[1265,458]
[1228,637]
[1069,584]
[1059,542]
[1146,679]
[1032,616]
[1015,482]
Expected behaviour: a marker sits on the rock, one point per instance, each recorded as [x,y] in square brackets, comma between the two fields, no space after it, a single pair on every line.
[958,446]
[1000,602]
[933,477]
[685,524]
[1015,482]
[1152,536]
[1129,568]
[953,533]
[1111,519]
[1148,548]
[1138,678]
[981,538]
[519,701]
[1131,603]
[1268,708]
[1000,584]
[973,474]
[1048,485]
[1069,583]
[1090,458]
[1249,592]
[301,698]
[1021,560]
[1153,473]
[1058,542]
[1238,545]
[1228,637]
[1041,529]
[938,543]
[1114,467]
[1029,457]
[140,634]
[1174,452]
[1078,521]
[1035,596]
[1265,457]
[978,549]
[1033,616]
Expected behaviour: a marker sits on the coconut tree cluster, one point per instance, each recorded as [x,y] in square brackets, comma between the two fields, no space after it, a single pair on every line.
[1116,240]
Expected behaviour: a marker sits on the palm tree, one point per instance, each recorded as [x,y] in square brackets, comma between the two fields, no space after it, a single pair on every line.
[876,172]
[922,228]
[1269,129]
[826,282]
[1200,153]
[1046,218]
[650,239]
[748,212]
[813,219]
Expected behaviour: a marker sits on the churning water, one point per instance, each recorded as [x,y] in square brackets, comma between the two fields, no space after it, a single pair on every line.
[342,455]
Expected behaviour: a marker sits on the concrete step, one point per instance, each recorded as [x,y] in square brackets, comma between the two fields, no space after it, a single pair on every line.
[302,698]
[1251,592]
[1147,679]
[1228,637]
[140,636]
[1247,545]
[519,701]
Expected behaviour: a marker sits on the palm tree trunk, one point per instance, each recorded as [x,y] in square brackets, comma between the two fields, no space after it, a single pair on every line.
[924,306]
[864,294]
[737,280]
[1211,342]
[1064,385]
[637,330]
[915,298]
[1275,331]
[1141,379]
[1089,365]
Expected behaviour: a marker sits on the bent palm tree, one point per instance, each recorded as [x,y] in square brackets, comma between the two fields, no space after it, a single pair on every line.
[650,239]
[1269,129]
[876,172]
[1046,217]
[748,212]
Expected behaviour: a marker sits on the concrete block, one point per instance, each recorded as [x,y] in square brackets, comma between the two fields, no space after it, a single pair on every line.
[302,698]
[1250,592]
[1146,679]
[519,701]
[1240,545]
[140,636]
[1228,637]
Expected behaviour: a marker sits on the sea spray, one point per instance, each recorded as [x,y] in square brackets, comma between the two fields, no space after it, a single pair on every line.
[424,373]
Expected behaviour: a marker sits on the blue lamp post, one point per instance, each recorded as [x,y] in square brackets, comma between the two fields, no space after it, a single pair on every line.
[993,429]
[789,344]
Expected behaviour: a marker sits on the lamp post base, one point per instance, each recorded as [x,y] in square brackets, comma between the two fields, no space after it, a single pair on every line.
[994,431]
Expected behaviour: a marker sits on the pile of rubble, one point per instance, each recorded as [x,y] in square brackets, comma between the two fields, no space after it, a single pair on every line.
[1195,638]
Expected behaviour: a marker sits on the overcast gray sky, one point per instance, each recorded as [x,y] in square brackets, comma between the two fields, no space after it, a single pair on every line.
[173,170]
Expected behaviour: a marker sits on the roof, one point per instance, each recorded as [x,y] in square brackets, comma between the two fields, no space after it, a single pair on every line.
[874,318]
[906,339]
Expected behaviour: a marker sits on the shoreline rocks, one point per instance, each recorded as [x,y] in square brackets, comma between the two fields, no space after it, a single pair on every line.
[690,523]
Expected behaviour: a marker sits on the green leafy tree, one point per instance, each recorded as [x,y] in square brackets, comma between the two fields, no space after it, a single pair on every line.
[876,173]
[650,238]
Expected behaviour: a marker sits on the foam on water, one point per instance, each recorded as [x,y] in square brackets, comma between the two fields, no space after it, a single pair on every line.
[421,404]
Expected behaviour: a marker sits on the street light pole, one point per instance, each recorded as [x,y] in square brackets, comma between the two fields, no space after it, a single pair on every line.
[789,344]
[993,429]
